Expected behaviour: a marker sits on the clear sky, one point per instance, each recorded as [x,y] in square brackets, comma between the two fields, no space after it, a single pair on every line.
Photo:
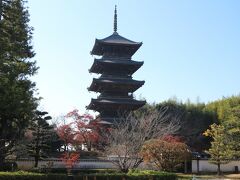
[191,48]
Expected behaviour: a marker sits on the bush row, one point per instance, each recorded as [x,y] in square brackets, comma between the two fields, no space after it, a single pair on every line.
[112,176]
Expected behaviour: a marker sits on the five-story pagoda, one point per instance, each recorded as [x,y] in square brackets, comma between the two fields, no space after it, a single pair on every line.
[115,84]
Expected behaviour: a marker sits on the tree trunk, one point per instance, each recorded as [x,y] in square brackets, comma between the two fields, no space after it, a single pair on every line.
[218,169]
[2,153]
[2,159]
[137,163]
[36,161]
[197,165]
[185,166]
[124,170]
[1,10]
[89,146]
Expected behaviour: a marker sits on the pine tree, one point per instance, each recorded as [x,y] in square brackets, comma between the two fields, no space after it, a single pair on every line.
[41,133]
[221,149]
[17,101]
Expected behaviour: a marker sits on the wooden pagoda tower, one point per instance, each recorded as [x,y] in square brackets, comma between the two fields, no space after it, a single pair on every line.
[115,85]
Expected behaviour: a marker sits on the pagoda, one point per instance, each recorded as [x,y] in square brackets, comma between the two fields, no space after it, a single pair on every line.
[115,84]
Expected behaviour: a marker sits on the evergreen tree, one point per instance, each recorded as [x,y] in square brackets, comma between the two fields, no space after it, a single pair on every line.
[221,150]
[227,112]
[194,120]
[1,3]
[41,133]
[17,101]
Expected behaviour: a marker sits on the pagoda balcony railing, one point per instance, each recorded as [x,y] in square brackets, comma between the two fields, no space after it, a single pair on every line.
[115,76]
[116,58]
[115,97]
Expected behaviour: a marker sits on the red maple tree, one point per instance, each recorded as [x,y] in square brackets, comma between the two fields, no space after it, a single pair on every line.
[66,134]
[82,130]
[171,138]
[70,158]
[166,152]
[85,129]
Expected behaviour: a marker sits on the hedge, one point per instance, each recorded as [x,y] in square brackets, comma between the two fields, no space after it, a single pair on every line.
[112,176]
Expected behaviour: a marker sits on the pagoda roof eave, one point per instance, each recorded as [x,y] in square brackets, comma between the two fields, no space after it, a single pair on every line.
[118,80]
[99,64]
[118,61]
[102,84]
[114,40]
[129,104]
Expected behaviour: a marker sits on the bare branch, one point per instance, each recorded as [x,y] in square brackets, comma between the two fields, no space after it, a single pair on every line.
[127,137]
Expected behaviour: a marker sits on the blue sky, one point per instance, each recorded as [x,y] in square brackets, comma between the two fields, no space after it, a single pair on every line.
[191,49]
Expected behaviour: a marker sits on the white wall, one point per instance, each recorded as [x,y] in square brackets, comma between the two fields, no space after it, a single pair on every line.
[82,164]
[57,163]
[205,166]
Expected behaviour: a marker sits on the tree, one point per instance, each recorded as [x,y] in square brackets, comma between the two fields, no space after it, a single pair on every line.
[80,131]
[55,143]
[41,132]
[69,159]
[17,101]
[194,120]
[126,138]
[221,150]
[1,3]
[66,134]
[69,156]
[165,153]
[233,128]
[227,111]
[86,130]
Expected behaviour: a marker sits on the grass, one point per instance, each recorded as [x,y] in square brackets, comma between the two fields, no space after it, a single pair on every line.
[180,175]
[134,175]
[19,173]
[208,176]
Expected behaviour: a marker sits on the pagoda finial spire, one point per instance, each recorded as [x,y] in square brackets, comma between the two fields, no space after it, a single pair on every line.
[115,20]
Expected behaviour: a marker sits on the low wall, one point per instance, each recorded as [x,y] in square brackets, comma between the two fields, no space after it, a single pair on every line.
[26,164]
[203,165]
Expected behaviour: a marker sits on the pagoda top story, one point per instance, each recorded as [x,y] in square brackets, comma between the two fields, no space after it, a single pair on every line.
[115,40]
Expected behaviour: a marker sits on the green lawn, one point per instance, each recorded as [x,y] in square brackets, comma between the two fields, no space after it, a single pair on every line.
[138,175]
[208,176]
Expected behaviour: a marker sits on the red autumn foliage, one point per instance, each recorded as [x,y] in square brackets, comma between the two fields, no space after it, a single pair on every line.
[82,130]
[165,154]
[66,134]
[74,134]
[171,138]
[86,130]
[70,158]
